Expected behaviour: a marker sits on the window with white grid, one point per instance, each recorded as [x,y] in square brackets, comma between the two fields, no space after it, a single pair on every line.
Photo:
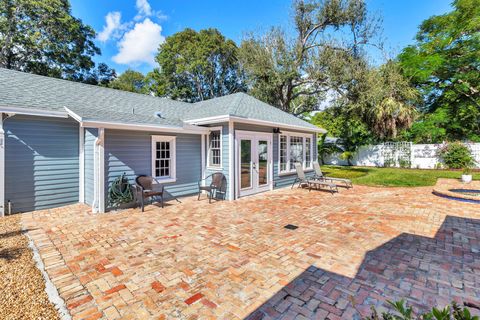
[163,157]
[296,151]
[215,148]
[308,153]
[283,153]
[295,147]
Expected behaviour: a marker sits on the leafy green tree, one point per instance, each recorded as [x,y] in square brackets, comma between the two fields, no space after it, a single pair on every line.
[130,80]
[444,64]
[351,131]
[295,73]
[429,128]
[43,37]
[196,66]
[385,101]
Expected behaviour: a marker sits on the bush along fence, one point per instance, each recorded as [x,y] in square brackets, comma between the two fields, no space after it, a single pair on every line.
[402,155]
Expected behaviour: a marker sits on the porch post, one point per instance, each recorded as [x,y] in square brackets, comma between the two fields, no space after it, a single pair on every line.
[99,173]
[231,161]
[101,170]
[2,168]
[81,159]
[202,153]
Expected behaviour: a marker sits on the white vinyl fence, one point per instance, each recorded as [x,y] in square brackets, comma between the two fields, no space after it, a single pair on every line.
[399,154]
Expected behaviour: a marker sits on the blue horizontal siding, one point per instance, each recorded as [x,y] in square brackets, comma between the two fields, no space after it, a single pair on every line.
[129,152]
[41,162]
[225,156]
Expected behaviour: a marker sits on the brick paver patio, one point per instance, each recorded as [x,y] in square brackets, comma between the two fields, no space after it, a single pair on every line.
[232,260]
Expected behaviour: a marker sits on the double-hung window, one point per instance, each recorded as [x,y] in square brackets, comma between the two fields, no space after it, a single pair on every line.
[215,147]
[163,158]
[295,147]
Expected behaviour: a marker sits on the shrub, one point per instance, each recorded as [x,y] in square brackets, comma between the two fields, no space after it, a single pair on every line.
[456,155]
[403,312]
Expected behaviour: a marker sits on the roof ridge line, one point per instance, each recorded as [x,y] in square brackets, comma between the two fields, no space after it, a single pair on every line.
[239,99]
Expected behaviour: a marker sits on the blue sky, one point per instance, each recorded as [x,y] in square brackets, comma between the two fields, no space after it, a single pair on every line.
[136,27]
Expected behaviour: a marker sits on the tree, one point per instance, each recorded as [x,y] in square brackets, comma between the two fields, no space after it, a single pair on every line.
[130,80]
[385,101]
[444,64]
[196,66]
[43,37]
[349,128]
[295,73]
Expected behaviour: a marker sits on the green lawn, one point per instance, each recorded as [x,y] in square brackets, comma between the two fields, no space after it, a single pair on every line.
[391,177]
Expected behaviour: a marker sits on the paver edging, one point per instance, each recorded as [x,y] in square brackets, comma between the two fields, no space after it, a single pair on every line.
[50,289]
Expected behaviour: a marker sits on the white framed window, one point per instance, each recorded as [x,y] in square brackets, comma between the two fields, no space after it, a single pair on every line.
[308,152]
[214,155]
[294,147]
[163,158]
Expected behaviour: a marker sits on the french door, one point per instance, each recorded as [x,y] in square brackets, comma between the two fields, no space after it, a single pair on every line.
[254,162]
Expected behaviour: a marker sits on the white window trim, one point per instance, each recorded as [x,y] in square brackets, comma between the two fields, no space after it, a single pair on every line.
[220,166]
[173,158]
[288,134]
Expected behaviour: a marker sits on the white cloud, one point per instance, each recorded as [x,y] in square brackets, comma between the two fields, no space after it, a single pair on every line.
[140,44]
[144,9]
[112,20]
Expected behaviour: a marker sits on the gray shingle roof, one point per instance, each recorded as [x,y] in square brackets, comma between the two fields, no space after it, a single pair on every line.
[95,103]
[244,106]
[24,90]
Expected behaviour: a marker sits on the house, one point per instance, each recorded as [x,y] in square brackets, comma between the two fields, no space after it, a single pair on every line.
[64,142]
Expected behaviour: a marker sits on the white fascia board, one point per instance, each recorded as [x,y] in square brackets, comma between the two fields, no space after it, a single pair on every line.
[227,118]
[209,120]
[186,128]
[142,127]
[33,112]
[73,114]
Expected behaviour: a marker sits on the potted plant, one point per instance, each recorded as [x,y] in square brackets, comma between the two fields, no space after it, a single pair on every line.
[467,174]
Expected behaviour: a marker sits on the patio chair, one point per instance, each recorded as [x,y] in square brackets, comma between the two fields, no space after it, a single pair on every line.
[148,189]
[217,188]
[320,176]
[301,179]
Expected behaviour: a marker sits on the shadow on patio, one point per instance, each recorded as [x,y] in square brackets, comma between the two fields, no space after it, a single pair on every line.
[424,271]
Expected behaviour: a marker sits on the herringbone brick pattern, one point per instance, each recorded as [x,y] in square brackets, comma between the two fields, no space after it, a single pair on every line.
[231,260]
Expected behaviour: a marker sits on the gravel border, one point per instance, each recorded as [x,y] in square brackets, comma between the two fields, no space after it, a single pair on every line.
[50,288]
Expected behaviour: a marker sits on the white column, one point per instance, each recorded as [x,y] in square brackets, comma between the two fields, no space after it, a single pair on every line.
[2,167]
[231,161]
[101,170]
[99,173]
[202,153]
[81,159]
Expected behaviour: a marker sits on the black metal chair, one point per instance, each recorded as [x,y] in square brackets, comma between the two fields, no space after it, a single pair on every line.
[217,188]
[148,189]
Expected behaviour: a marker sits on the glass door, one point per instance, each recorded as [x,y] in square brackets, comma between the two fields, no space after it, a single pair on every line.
[255,162]
[246,164]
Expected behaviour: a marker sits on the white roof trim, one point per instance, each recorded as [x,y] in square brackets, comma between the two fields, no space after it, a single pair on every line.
[226,118]
[186,128]
[34,112]
[142,127]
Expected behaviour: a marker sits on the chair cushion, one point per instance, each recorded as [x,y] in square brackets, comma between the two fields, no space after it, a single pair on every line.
[150,193]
